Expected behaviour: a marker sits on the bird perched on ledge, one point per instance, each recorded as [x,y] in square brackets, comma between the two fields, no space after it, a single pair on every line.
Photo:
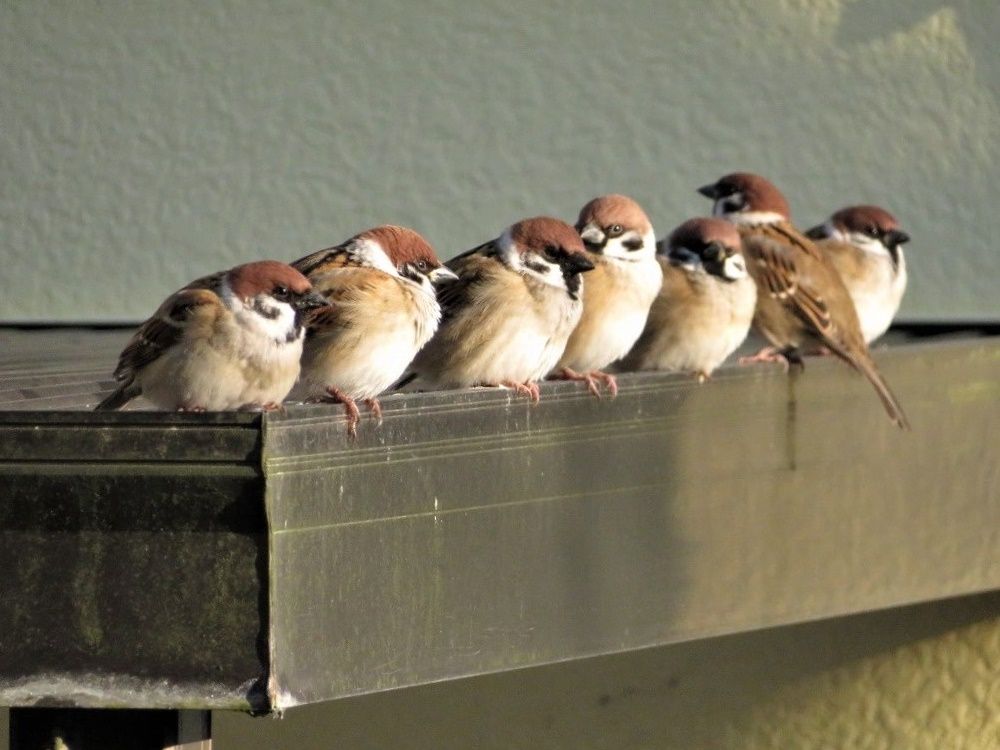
[703,312]
[382,309]
[618,292]
[508,317]
[802,302]
[865,245]
[232,340]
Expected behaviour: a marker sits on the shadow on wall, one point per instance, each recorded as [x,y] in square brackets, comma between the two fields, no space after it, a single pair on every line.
[865,21]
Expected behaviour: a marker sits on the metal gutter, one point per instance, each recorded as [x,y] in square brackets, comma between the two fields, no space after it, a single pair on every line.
[236,561]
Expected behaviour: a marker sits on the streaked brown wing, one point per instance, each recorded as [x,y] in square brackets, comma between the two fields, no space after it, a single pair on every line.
[786,234]
[163,330]
[329,258]
[776,274]
[470,267]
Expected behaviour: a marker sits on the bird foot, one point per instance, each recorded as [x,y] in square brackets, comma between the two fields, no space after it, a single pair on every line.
[591,379]
[375,408]
[193,409]
[701,376]
[351,411]
[767,354]
[529,389]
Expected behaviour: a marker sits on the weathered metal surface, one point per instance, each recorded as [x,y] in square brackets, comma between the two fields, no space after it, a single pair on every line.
[475,533]
[233,560]
[134,553]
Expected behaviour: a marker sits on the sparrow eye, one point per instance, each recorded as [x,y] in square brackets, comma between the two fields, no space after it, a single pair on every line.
[422,265]
[872,231]
[615,230]
[280,293]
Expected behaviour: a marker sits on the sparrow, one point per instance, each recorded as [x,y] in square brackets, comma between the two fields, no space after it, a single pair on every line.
[231,340]
[865,245]
[802,303]
[703,311]
[382,309]
[619,291]
[507,318]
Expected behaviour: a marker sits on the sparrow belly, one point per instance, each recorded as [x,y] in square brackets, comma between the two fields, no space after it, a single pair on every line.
[516,353]
[607,341]
[201,376]
[363,370]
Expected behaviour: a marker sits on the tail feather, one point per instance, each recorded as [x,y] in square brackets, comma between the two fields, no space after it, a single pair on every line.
[124,393]
[867,367]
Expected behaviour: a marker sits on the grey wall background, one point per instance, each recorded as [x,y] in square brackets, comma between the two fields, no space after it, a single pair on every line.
[143,144]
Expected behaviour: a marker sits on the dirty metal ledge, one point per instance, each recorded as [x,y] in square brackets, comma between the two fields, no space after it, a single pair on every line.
[474,533]
[236,561]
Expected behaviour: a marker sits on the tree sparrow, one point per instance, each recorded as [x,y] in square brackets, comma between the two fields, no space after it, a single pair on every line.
[802,302]
[618,293]
[703,312]
[864,243]
[232,340]
[383,309]
[508,317]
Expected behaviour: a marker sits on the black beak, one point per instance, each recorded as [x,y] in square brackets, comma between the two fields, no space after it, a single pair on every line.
[577,263]
[896,237]
[310,301]
[708,191]
[816,233]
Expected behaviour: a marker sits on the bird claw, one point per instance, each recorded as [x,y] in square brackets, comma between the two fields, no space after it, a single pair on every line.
[768,354]
[351,411]
[375,408]
[529,389]
[591,379]
[784,357]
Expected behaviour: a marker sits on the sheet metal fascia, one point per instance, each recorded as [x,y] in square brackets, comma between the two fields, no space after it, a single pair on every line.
[132,550]
[474,533]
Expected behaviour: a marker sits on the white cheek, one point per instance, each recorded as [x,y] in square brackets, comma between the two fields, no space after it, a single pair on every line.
[615,248]
[371,254]
[546,272]
[276,328]
[868,244]
[734,268]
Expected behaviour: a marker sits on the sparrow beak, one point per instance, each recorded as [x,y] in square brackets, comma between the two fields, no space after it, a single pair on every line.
[816,233]
[896,237]
[593,238]
[310,301]
[708,191]
[577,263]
[442,273]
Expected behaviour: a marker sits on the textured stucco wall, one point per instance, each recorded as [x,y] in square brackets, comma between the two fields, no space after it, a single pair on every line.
[920,678]
[142,144]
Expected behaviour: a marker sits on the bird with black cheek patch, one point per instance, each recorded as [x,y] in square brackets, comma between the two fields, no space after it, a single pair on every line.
[865,245]
[381,310]
[506,320]
[232,340]
[618,292]
[703,311]
[802,303]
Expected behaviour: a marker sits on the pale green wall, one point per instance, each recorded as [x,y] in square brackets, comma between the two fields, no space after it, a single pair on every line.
[142,144]
[920,678]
